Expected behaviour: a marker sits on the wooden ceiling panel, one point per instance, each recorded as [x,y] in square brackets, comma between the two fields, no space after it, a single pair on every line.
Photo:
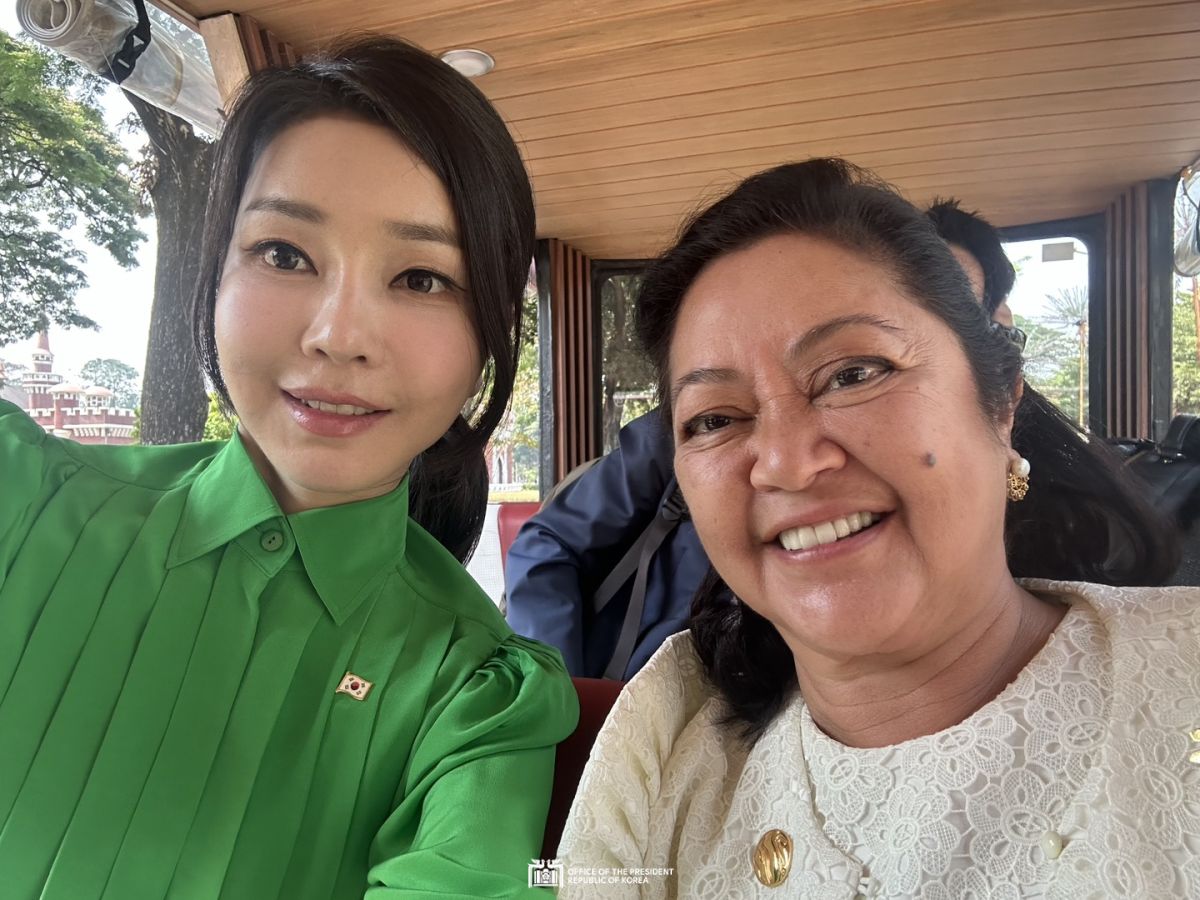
[928,124]
[630,113]
[797,53]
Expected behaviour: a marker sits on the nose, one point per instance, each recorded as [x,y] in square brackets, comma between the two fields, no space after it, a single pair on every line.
[791,448]
[340,329]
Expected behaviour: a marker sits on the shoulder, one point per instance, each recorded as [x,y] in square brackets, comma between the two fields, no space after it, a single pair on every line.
[1132,612]
[441,582]
[16,426]
[668,698]
[159,468]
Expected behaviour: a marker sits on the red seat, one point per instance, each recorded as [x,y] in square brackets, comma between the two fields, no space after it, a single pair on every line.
[509,519]
[596,697]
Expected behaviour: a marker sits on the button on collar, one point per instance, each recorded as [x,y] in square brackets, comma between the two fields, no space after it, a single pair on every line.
[271,540]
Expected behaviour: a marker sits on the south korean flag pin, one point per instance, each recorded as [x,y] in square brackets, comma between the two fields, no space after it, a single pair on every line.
[356,687]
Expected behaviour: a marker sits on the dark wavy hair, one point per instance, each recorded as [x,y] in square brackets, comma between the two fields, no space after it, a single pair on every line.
[977,236]
[447,122]
[1083,519]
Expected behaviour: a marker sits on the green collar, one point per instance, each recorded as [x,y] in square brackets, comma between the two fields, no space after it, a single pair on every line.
[343,548]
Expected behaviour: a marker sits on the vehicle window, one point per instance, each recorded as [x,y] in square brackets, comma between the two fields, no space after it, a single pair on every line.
[1050,304]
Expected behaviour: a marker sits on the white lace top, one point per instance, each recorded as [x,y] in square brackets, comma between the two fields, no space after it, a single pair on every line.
[1078,781]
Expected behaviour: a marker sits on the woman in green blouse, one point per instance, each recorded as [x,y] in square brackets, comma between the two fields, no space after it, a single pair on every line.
[244,670]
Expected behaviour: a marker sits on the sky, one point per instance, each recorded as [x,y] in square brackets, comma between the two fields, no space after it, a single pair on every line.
[119,300]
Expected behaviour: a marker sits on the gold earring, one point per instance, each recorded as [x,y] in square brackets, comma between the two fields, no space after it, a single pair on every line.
[1018,479]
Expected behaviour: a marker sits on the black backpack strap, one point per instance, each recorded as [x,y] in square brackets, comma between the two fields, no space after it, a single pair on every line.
[638,557]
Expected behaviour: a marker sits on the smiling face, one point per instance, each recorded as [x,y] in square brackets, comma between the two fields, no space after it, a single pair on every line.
[342,321]
[832,450]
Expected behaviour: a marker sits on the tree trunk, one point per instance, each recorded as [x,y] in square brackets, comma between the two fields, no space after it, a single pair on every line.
[174,400]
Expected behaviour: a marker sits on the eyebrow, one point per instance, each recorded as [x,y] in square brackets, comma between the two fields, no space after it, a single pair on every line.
[802,346]
[815,335]
[305,212]
[702,376]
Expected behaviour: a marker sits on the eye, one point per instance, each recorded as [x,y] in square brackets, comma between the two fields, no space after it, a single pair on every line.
[423,281]
[705,424]
[279,255]
[857,373]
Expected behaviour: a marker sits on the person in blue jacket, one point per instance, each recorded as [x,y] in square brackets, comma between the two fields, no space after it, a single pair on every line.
[559,580]
[563,555]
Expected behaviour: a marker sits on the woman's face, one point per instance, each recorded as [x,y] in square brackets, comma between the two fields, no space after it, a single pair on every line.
[342,321]
[811,396]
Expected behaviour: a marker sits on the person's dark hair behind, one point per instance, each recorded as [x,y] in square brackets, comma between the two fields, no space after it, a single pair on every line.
[1084,519]
[446,121]
[977,236]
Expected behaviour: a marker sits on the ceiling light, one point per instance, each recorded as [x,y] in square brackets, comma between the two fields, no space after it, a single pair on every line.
[472,63]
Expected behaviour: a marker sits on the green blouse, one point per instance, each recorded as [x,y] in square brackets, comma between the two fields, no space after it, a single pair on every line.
[171,648]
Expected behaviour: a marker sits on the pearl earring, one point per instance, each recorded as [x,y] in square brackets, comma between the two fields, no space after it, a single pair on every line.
[1018,478]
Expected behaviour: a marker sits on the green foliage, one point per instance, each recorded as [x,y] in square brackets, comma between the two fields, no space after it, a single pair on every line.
[1056,362]
[118,377]
[218,426]
[11,373]
[58,164]
[1185,353]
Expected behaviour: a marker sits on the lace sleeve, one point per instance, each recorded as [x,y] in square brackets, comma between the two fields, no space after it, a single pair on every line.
[608,827]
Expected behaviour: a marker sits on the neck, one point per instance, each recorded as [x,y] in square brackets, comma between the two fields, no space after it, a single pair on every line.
[882,701]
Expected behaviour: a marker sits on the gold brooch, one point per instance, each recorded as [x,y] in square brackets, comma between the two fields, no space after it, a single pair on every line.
[356,687]
[1195,755]
[772,858]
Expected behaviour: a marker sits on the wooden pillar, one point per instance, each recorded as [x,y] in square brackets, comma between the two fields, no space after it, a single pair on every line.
[568,355]
[239,46]
[1137,321]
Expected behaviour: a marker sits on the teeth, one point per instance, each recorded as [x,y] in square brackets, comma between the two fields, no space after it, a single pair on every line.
[342,409]
[806,537]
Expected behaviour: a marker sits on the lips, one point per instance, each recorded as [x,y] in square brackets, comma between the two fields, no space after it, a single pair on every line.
[341,409]
[333,415]
[339,404]
[805,537]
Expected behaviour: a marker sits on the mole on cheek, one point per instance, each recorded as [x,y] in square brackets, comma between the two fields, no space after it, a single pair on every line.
[930,459]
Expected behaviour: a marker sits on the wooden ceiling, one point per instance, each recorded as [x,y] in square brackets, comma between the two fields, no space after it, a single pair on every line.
[631,113]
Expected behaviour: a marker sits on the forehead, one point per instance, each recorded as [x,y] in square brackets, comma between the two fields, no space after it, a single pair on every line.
[780,287]
[346,164]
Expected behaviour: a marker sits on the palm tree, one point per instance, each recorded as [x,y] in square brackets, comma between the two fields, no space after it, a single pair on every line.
[1067,313]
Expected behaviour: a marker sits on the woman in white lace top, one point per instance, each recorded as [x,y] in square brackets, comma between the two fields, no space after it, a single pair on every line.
[868,703]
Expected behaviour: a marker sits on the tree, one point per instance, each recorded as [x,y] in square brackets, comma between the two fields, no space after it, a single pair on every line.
[1056,352]
[522,426]
[118,377]
[625,368]
[58,164]
[175,172]
[218,426]
[11,374]
[171,179]
[1185,355]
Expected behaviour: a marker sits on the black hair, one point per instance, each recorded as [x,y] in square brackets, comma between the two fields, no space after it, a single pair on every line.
[1083,518]
[447,122]
[977,236]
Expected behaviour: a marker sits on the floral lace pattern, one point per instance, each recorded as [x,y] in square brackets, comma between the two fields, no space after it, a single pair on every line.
[1089,743]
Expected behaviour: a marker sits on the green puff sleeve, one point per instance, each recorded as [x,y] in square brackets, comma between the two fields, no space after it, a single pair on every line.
[478,789]
[23,475]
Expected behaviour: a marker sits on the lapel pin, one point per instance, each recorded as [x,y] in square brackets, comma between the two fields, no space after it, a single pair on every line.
[356,687]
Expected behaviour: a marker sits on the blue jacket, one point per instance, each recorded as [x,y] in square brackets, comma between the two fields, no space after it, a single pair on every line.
[563,553]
